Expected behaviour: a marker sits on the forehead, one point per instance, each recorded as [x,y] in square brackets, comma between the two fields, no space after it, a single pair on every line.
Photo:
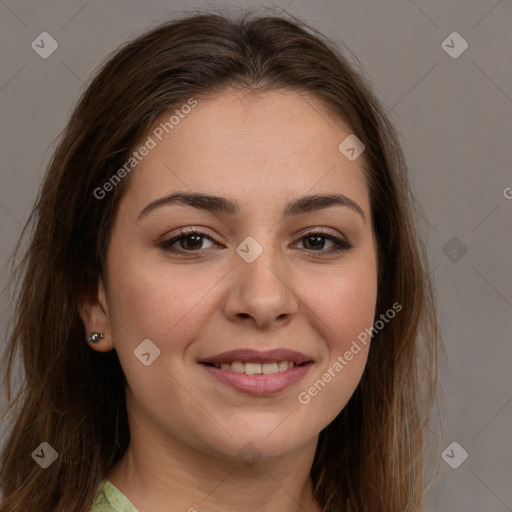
[259,145]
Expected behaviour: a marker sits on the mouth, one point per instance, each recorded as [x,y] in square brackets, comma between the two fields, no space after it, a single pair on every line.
[258,373]
[256,368]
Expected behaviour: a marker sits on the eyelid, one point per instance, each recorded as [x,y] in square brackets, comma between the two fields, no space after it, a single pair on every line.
[168,240]
[188,230]
[302,233]
[319,230]
[328,232]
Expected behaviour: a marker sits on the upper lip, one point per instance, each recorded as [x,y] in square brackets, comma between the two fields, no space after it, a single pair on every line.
[256,356]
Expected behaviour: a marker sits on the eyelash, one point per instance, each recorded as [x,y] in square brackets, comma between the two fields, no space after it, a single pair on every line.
[166,245]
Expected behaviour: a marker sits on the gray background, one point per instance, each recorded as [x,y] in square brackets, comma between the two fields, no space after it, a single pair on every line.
[454,119]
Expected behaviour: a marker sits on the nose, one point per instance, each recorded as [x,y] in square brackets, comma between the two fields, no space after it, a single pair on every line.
[260,293]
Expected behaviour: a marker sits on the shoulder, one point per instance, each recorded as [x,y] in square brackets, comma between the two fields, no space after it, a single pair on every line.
[102,503]
[111,499]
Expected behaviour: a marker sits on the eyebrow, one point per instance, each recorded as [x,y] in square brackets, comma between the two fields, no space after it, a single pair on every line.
[228,206]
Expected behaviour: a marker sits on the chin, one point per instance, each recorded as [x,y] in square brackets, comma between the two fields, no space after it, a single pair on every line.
[261,440]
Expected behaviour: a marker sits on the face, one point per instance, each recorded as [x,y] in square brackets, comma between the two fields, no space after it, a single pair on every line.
[252,321]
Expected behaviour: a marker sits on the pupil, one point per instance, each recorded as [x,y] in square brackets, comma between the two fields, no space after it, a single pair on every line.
[192,237]
[317,240]
[312,240]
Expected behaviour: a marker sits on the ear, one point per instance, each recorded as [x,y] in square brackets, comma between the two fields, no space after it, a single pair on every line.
[93,310]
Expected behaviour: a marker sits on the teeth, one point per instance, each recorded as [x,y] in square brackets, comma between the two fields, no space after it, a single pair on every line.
[236,367]
[257,368]
[269,368]
[252,368]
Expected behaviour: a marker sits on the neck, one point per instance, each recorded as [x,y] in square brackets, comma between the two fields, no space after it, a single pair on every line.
[160,474]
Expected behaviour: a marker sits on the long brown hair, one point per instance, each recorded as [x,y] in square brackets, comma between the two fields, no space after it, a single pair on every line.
[72,397]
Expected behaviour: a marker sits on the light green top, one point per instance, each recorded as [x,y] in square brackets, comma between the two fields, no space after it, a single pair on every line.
[111,499]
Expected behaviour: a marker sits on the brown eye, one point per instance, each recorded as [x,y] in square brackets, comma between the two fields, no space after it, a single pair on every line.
[186,241]
[191,242]
[316,242]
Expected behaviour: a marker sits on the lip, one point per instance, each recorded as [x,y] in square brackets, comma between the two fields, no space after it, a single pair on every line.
[256,356]
[259,384]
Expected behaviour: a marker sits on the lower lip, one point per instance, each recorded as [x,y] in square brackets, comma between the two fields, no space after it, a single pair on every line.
[259,384]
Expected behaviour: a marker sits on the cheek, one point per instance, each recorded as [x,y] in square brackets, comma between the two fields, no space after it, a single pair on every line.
[155,302]
[344,313]
[345,306]
[355,306]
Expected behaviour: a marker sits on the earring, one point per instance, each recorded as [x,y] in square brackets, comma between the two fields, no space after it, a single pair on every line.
[95,337]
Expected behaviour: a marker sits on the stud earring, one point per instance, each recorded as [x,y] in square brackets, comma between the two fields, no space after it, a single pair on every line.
[95,337]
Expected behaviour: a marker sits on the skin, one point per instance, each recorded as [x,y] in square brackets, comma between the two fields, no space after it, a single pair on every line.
[187,428]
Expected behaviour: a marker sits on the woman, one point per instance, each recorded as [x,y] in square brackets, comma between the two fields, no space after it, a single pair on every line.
[224,304]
